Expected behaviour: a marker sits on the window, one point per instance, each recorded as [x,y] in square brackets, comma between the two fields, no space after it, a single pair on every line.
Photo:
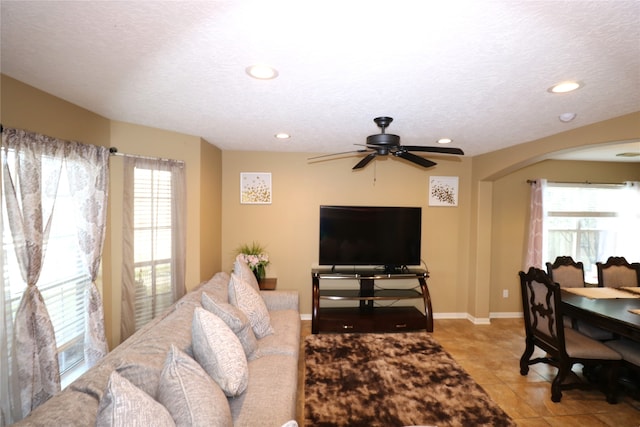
[152,243]
[590,222]
[153,240]
[62,281]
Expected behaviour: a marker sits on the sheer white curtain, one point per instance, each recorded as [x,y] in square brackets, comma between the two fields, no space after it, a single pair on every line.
[31,169]
[629,229]
[536,224]
[30,187]
[88,171]
[178,236]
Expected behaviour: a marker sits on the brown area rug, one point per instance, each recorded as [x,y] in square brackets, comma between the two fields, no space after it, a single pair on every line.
[391,380]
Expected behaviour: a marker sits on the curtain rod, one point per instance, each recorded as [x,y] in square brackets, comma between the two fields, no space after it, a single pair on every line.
[114,152]
[533,181]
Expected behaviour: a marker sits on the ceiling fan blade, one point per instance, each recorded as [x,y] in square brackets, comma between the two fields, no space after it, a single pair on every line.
[443,150]
[336,154]
[365,161]
[415,159]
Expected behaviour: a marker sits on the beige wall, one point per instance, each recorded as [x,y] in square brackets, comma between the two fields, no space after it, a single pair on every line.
[473,251]
[289,226]
[25,107]
[511,212]
[490,229]
[210,209]
[463,247]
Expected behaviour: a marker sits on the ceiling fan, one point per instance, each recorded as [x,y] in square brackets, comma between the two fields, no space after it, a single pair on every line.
[383,144]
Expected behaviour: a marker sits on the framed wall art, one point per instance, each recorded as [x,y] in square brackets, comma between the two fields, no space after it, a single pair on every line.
[255,188]
[443,191]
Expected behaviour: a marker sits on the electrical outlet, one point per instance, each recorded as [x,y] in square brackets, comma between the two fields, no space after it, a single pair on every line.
[505,293]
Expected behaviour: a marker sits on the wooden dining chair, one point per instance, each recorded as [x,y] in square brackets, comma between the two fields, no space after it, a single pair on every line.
[544,328]
[570,274]
[566,272]
[617,273]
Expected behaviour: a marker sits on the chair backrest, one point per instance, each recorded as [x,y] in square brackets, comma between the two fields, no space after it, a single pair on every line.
[617,272]
[566,272]
[541,306]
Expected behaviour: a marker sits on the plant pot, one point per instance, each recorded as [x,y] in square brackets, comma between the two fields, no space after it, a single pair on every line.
[268,283]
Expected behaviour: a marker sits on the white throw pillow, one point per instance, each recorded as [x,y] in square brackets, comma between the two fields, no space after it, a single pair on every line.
[190,395]
[242,270]
[218,350]
[247,299]
[123,404]
[236,320]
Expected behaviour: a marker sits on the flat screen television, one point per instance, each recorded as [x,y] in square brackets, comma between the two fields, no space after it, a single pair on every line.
[370,235]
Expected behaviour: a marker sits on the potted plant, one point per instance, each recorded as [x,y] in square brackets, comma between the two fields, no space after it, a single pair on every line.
[256,258]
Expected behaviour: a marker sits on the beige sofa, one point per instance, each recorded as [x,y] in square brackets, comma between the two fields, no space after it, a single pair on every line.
[270,395]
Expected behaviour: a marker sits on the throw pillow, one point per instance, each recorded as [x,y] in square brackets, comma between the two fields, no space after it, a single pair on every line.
[190,395]
[123,404]
[247,299]
[236,320]
[218,350]
[242,270]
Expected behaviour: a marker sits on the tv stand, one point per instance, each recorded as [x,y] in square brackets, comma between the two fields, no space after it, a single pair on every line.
[366,317]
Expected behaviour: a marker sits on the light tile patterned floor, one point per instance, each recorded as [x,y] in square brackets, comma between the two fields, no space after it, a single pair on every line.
[491,355]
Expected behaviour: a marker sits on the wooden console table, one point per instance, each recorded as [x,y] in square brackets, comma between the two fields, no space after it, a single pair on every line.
[366,317]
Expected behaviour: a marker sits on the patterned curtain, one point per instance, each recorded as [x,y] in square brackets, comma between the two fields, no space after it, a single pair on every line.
[30,188]
[536,217]
[88,171]
[30,182]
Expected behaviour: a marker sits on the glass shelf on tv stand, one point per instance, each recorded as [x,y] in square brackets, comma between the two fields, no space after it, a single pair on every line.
[378,294]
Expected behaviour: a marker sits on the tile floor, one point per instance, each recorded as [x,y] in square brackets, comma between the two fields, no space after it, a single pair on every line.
[491,355]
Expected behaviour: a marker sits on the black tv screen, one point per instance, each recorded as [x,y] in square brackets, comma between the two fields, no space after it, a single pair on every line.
[370,235]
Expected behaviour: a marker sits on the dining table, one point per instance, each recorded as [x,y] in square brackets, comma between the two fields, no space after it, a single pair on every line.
[613,309]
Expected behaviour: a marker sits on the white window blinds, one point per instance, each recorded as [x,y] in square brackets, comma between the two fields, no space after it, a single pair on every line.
[152,243]
[153,239]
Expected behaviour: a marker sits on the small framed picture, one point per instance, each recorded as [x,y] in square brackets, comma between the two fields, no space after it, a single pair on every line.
[443,191]
[255,188]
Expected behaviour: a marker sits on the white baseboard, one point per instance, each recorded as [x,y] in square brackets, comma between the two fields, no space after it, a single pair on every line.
[506,315]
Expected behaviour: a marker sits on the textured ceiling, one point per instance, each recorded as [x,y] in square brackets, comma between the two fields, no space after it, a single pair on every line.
[477,72]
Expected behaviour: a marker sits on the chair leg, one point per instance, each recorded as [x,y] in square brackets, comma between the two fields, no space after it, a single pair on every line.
[524,360]
[556,386]
[612,382]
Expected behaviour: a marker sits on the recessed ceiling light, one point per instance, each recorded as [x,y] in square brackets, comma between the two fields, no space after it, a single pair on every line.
[566,117]
[282,135]
[445,141]
[565,87]
[262,72]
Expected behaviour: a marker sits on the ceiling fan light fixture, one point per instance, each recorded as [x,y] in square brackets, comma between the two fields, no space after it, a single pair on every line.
[564,87]
[262,72]
[444,141]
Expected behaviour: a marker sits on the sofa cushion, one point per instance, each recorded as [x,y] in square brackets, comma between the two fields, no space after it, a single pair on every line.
[271,395]
[236,320]
[123,404]
[190,395]
[247,299]
[218,286]
[286,336]
[242,270]
[218,350]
